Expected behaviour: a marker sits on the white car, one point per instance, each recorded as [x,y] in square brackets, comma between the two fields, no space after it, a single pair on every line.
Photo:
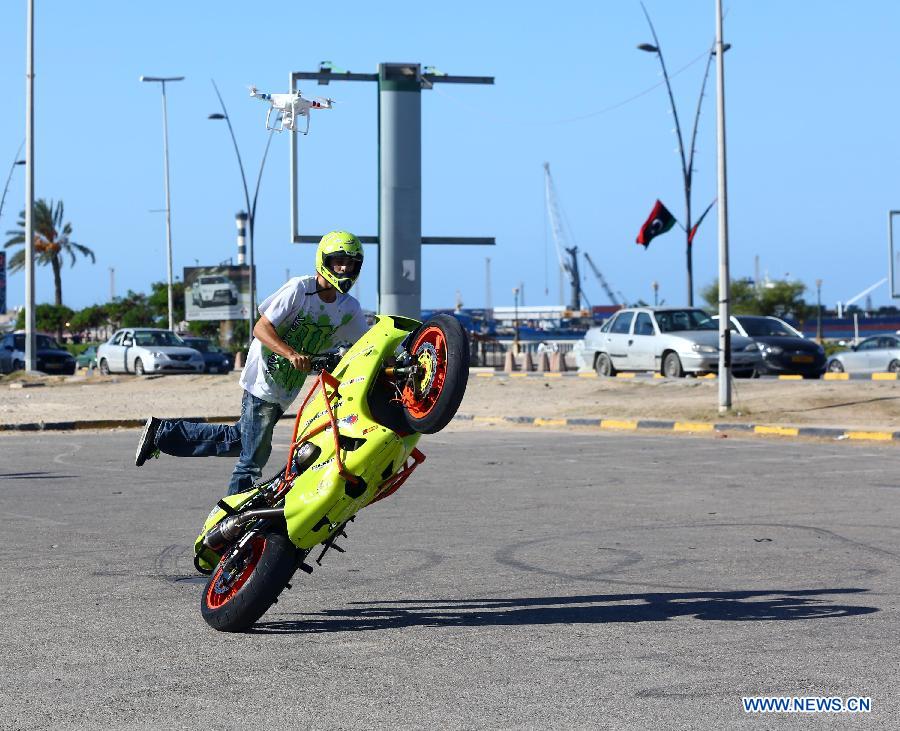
[873,355]
[213,290]
[143,350]
[672,341]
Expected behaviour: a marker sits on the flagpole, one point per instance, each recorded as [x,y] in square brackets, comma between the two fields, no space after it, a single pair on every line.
[724,281]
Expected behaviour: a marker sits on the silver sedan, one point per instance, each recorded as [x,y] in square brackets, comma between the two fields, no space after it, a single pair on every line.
[673,341]
[147,350]
[879,353]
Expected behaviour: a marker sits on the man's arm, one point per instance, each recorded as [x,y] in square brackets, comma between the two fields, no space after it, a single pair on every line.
[265,332]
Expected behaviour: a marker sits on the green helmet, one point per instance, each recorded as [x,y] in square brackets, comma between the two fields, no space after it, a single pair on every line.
[339,243]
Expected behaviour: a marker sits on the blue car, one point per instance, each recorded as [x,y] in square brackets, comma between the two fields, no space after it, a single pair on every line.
[215,359]
[50,356]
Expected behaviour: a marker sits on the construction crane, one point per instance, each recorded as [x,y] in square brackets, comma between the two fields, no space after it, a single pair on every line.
[841,306]
[567,255]
[601,279]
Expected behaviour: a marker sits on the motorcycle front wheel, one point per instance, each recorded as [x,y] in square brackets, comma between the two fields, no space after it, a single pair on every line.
[232,601]
[441,350]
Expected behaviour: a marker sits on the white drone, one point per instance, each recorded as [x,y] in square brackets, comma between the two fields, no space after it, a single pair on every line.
[290,107]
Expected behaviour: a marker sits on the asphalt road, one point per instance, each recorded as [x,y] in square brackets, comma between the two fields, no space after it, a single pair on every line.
[521,579]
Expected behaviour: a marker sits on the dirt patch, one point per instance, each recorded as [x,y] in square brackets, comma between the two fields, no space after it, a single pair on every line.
[858,404]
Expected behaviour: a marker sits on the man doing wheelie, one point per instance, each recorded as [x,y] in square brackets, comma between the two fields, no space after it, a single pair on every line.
[306,316]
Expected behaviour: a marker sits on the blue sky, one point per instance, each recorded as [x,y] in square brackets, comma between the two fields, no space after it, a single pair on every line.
[812,138]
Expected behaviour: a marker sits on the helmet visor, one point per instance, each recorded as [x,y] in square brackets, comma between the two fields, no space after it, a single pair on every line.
[342,265]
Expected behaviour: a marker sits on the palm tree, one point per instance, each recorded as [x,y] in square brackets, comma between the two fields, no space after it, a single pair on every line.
[51,241]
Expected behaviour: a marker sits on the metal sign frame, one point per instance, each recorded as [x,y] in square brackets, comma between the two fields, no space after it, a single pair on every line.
[892,270]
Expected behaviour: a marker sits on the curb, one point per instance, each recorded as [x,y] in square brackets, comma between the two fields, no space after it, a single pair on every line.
[693,427]
[689,427]
[660,377]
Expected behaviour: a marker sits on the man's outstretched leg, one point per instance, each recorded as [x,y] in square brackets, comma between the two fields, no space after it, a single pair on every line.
[258,420]
[187,439]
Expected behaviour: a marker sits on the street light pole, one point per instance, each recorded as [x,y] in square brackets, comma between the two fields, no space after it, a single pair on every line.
[687,161]
[30,349]
[251,206]
[162,81]
[724,281]
[819,311]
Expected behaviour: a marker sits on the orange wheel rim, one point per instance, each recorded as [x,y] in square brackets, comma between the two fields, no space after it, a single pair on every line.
[220,591]
[429,352]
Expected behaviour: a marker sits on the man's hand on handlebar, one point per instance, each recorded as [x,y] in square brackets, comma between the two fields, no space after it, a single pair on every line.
[300,362]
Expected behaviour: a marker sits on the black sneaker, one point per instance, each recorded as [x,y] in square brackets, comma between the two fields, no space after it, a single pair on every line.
[147,443]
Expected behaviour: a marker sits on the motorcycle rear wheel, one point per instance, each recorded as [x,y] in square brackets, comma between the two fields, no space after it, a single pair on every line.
[233,604]
[441,348]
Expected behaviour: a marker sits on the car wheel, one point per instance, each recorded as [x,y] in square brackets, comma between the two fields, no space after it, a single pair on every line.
[139,367]
[671,366]
[835,366]
[604,365]
[104,367]
[18,365]
[894,366]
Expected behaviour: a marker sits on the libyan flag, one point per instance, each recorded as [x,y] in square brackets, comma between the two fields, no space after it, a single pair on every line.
[659,222]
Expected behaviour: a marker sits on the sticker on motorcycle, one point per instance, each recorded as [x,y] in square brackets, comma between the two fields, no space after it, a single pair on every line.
[322,465]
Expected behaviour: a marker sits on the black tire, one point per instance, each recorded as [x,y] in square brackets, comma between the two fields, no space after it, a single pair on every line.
[671,366]
[18,365]
[835,366]
[139,367]
[104,367]
[269,562]
[604,366]
[441,345]
[894,366]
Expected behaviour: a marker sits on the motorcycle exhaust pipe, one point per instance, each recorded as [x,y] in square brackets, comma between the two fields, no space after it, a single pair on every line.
[229,528]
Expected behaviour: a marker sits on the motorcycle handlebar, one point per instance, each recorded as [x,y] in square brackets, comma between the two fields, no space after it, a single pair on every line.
[325,362]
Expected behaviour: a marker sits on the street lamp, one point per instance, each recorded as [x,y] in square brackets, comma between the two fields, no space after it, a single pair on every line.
[655,286]
[251,206]
[819,311]
[722,196]
[687,161]
[162,80]
[16,161]
[516,320]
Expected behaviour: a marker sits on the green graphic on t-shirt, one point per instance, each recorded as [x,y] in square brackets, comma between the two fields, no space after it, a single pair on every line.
[308,337]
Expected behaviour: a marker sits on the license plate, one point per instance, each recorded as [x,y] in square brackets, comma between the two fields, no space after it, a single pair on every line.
[802,358]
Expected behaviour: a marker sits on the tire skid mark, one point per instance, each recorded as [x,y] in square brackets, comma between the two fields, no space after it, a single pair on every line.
[506,556]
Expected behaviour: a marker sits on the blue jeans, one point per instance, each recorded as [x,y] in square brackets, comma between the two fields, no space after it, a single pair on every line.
[250,440]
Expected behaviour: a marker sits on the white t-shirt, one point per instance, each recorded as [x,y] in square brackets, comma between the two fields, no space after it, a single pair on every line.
[306,323]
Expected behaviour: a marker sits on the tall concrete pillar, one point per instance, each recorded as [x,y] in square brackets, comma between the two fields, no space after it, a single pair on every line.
[400,189]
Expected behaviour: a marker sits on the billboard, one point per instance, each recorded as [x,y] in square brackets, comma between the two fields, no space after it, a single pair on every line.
[216,293]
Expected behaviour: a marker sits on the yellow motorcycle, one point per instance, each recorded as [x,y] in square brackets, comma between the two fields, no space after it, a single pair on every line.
[354,443]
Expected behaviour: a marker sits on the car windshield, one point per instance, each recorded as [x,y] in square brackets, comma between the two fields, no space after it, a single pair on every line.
[213,280]
[43,343]
[199,344]
[675,320]
[757,327]
[162,337]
